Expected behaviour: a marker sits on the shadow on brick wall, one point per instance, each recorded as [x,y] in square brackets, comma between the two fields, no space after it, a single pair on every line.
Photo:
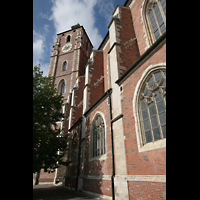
[86,173]
[94,169]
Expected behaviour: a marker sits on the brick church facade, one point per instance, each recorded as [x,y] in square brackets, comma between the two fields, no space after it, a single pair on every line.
[115,105]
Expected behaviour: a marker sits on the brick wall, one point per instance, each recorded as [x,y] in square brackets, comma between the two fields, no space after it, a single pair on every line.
[138,23]
[136,162]
[72,169]
[78,100]
[76,58]
[150,162]
[153,162]
[99,186]
[96,87]
[129,50]
[141,163]
[146,190]
[46,177]
[98,167]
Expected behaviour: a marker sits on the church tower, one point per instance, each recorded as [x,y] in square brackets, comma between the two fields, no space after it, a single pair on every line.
[71,52]
[69,58]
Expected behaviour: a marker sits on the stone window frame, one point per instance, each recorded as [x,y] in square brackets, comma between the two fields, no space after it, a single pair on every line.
[60,85]
[66,38]
[62,66]
[147,6]
[136,110]
[102,156]
[62,88]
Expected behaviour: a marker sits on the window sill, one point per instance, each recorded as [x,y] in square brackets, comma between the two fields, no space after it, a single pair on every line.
[100,157]
[153,145]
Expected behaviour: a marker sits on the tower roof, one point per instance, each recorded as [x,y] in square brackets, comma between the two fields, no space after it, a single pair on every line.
[75,27]
[72,28]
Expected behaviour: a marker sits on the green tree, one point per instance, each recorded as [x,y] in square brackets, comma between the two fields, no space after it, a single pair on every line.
[47,140]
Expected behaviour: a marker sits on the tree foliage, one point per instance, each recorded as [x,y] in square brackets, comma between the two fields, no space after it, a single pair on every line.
[47,140]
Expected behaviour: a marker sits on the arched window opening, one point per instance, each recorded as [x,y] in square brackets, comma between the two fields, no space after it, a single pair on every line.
[65,66]
[62,89]
[152,107]
[68,38]
[98,131]
[155,16]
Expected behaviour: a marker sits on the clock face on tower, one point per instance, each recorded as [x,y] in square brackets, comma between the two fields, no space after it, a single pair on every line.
[67,47]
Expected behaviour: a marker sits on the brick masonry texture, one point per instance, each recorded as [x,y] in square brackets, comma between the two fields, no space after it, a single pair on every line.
[135,161]
[146,190]
[87,79]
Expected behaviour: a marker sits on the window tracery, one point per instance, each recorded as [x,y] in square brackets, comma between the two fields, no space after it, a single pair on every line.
[155,17]
[153,107]
[98,131]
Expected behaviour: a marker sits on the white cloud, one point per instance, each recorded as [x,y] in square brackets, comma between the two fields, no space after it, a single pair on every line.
[64,14]
[45,68]
[39,49]
[68,13]
[38,46]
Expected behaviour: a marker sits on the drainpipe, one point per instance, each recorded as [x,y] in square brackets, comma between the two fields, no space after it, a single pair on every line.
[112,146]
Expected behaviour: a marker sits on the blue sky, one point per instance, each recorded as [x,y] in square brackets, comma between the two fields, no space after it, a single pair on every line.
[54,16]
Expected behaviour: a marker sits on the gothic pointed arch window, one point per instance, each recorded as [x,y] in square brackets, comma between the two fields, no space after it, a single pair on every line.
[98,137]
[61,87]
[62,91]
[150,109]
[154,13]
[153,107]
